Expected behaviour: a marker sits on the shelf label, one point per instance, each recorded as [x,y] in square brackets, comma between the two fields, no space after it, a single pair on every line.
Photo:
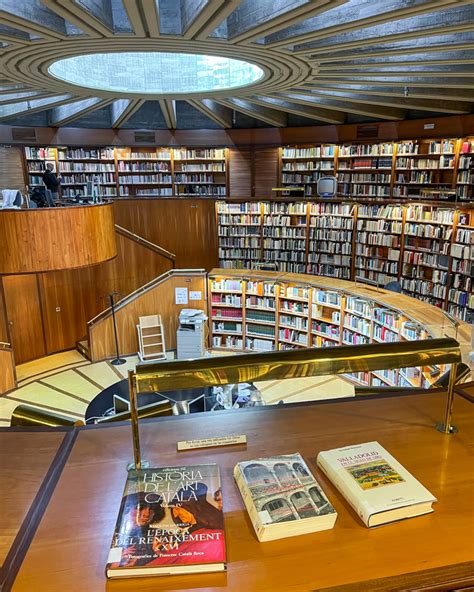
[181,295]
[211,442]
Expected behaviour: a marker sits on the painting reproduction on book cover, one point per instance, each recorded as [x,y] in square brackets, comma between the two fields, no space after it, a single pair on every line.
[170,521]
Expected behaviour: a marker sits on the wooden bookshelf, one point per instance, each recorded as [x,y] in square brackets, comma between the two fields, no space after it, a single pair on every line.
[134,172]
[144,172]
[263,311]
[427,248]
[200,172]
[303,166]
[36,160]
[80,166]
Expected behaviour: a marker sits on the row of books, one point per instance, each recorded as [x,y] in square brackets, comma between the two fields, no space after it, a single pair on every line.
[171,519]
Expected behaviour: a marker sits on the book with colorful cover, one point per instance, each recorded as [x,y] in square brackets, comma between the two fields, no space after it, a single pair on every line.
[170,522]
[282,497]
[375,484]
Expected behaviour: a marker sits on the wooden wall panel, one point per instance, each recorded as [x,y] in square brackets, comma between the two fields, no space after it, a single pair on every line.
[186,227]
[158,300]
[7,374]
[454,125]
[11,168]
[4,334]
[81,294]
[59,238]
[266,171]
[24,315]
[241,172]
[50,311]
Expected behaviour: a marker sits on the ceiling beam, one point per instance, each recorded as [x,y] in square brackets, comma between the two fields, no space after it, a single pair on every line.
[270,116]
[144,16]
[27,107]
[312,31]
[209,18]
[379,51]
[123,109]
[76,14]
[168,108]
[382,91]
[313,100]
[319,114]
[282,19]
[416,60]
[18,97]
[402,81]
[454,20]
[401,101]
[218,113]
[35,20]
[61,116]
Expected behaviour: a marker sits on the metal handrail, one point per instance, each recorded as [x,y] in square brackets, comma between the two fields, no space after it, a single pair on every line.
[145,243]
[280,365]
[141,290]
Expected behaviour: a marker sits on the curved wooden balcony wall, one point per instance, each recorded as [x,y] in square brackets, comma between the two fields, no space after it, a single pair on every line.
[52,239]
[7,367]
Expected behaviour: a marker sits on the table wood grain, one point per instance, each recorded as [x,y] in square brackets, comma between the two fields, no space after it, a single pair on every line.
[70,548]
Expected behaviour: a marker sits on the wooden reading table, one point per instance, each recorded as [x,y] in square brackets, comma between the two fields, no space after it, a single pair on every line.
[78,475]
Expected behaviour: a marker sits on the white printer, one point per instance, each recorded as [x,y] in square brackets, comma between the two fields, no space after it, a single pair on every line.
[190,337]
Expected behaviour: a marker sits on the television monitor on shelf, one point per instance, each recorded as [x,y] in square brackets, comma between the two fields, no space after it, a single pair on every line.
[326,186]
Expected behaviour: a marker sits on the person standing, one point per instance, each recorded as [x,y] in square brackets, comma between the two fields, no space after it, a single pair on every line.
[51,181]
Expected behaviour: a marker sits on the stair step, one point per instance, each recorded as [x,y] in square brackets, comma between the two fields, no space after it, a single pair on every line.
[82,347]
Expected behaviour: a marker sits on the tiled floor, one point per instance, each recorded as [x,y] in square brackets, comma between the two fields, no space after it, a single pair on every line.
[65,383]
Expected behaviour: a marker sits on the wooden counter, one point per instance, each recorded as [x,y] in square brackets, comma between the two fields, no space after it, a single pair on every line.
[69,550]
[50,239]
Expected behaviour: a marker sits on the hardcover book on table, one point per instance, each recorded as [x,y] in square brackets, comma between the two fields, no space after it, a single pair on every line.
[375,484]
[282,497]
[170,522]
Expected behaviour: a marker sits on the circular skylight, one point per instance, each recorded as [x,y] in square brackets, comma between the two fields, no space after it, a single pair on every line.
[155,72]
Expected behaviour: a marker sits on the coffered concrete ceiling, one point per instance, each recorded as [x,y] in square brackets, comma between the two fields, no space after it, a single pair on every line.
[324,61]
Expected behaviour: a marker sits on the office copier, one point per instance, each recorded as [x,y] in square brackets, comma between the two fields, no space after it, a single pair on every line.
[190,337]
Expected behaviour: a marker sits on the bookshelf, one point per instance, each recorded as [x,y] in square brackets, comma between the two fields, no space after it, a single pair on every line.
[460,287]
[426,256]
[80,166]
[465,170]
[424,169]
[227,310]
[36,160]
[263,311]
[134,172]
[427,248]
[284,235]
[330,239]
[378,243]
[239,233]
[365,170]
[200,172]
[303,166]
[144,172]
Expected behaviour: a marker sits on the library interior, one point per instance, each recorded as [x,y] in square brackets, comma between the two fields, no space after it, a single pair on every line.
[236,278]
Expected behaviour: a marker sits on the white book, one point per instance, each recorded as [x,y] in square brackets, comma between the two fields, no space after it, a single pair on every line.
[376,485]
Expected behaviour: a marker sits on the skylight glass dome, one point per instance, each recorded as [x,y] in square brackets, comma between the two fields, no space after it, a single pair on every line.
[155,72]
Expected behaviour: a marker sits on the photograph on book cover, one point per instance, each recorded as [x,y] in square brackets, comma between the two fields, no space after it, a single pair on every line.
[170,516]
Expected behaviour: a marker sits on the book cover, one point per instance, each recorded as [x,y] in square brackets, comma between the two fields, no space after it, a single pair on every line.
[282,497]
[170,521]
[375,484]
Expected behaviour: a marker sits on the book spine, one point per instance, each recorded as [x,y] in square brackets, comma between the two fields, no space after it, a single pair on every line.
[338,482]
[257,524]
